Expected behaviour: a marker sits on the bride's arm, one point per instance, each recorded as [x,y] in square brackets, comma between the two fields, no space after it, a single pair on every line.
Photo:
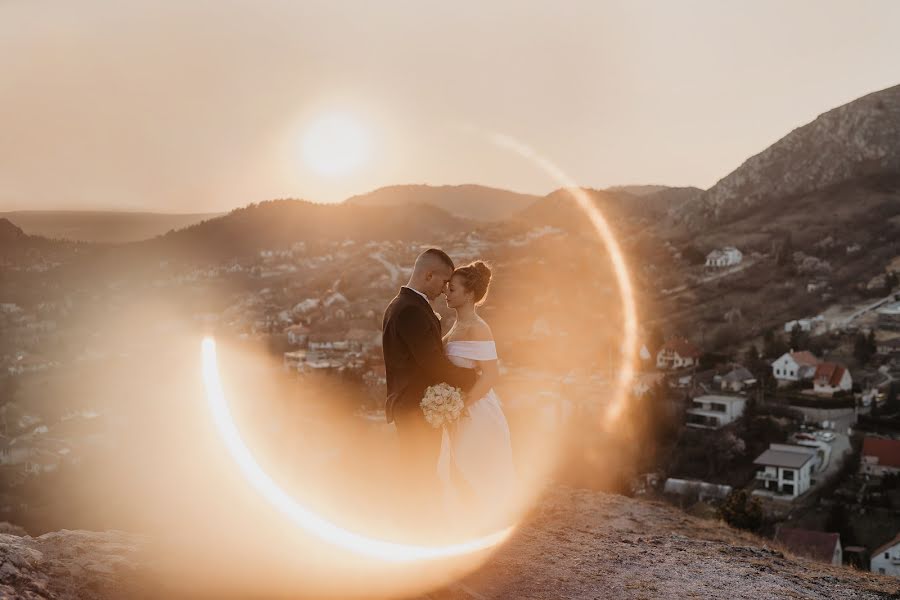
[488,377]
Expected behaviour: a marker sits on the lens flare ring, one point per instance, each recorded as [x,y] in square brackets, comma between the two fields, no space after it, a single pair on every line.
[302,516]
[407,553]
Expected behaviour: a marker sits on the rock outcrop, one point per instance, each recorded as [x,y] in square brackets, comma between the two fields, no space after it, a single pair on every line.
[70,564]
[858,139]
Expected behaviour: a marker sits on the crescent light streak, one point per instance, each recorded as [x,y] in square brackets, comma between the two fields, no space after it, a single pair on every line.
[626,293]
[302,516]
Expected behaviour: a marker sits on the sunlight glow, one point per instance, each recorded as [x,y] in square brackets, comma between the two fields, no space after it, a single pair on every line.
[626,293]
[335,144]
[302,516]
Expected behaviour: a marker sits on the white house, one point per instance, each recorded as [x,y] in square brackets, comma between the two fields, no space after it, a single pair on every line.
[880,456]
[812,324]
[12,453]
[30,364]
[677,353]
[297,335]
[726,257]
[702,490]
[714,411]
[886,559]
[830,378]
[786,471]
[336,298]
[329,341]
[294,360]
[736,379]
[794,366]
[817,545]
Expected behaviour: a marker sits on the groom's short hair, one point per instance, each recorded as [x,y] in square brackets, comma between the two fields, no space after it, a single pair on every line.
[440,255]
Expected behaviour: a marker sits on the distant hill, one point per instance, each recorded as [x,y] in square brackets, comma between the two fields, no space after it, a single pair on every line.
[10,234]
[618,206]
[101,226]
[638,190]
[860,139]
[467,201]
[280,223]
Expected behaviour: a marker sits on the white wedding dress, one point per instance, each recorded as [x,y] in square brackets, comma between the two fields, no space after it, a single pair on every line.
[478,448]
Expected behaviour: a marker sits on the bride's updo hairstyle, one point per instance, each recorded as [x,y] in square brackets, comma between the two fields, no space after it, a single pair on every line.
[476,278]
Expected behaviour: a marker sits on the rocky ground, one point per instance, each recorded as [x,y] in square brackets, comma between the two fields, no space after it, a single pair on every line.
[69,564]
[577,544]
[582,544]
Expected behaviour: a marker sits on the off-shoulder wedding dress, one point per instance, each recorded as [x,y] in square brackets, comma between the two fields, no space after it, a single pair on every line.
[477,450]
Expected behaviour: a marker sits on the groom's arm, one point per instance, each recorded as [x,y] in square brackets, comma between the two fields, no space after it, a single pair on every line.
[413,326]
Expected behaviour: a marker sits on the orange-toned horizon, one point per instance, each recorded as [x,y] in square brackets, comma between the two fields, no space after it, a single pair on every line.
[162,108]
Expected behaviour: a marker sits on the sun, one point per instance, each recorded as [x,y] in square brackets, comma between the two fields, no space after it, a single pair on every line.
[335,144]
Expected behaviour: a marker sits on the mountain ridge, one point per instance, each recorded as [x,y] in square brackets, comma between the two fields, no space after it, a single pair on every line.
[854,140]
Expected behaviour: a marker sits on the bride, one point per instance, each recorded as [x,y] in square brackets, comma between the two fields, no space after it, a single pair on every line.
[476,456]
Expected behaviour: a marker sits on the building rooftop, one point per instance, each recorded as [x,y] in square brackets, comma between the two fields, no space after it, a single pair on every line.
[790,459]
[887,451]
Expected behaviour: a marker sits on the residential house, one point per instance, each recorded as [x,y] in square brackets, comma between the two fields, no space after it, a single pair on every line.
[888,347]
[42,462]
[328,341]
[294,361]
[26,363]
[701,490]
[361,340]
[786,471]
[297,335]
[889,316]
[714,411]
[335,299]
[880,456]
[792,367]
[726,257]
[886,558]
[817,545]
[737,379]
[830,378]
[12,453]
[305,306]
[814,324]
[677,353]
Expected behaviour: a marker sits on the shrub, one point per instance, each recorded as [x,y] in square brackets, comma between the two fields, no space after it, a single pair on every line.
[743,511]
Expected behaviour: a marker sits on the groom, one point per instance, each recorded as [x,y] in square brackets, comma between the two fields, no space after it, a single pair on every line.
[414,359]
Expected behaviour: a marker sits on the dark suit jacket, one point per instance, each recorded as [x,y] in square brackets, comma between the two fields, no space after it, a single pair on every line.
[414,357]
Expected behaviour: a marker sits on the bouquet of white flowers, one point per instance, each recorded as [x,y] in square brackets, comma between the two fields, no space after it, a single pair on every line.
[442,405]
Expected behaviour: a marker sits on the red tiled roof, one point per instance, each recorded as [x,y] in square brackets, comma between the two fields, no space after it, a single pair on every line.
[817,545]
[887,451]
[884,547]
[683,347]
[805,358]
[829,374]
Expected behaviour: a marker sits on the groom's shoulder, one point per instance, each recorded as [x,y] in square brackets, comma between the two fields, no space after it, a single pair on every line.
[397,305]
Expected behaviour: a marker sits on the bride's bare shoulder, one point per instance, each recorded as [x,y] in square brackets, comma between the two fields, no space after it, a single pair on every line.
[480,331]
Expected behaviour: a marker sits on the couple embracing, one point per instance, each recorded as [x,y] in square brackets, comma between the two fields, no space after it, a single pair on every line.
[471,460]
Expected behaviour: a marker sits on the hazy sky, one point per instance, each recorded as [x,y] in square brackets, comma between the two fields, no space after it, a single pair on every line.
[195,106]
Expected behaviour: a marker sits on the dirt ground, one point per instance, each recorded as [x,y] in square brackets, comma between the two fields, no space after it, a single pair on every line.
[583,544]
